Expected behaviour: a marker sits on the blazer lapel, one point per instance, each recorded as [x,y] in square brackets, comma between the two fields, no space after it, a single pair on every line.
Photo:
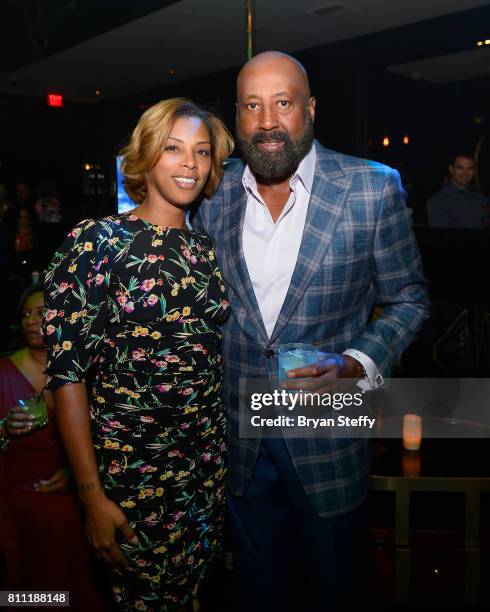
[236,267]
[327,201]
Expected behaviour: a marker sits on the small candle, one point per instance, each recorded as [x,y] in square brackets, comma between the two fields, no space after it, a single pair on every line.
[412,432]
[411,464]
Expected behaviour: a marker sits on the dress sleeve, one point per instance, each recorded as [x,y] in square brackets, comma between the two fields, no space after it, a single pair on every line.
[76,307]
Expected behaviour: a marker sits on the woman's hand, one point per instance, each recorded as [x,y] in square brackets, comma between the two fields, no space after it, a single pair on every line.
[102,520]
[19,421]
[58,483]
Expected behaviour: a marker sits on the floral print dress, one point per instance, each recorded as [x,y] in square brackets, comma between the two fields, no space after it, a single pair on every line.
[143,305]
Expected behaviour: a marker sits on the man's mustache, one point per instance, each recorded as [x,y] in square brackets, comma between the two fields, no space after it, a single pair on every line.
[276,136]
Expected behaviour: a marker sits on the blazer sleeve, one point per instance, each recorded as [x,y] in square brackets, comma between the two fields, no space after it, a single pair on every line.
[399,283]
[76,305]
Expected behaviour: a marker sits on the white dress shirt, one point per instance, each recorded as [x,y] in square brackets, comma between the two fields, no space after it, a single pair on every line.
[271,249]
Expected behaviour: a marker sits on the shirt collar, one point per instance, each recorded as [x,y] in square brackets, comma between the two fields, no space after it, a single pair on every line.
[452,185]
[305,173]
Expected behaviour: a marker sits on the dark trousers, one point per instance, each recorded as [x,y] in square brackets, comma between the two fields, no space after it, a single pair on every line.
[286,557]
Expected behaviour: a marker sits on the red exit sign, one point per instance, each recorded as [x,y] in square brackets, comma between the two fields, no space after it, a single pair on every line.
[54,100]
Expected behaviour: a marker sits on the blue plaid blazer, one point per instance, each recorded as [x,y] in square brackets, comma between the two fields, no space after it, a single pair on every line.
[357,251]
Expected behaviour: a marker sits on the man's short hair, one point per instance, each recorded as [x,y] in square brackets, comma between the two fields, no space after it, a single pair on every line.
[464,154]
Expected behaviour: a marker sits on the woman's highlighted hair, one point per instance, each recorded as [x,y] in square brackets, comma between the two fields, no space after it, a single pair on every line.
[150,135]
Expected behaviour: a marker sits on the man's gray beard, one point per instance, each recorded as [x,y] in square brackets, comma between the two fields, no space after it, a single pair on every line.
[280,164]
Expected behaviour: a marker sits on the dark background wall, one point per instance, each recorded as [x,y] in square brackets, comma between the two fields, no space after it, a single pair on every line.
[359,102]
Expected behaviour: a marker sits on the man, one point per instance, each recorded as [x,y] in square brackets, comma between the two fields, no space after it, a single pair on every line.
[459,203]
[308,241]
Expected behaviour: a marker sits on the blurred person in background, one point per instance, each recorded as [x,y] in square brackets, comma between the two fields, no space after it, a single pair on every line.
[459,202]
[5,204]
[41,528]
[6,208]
[47,206]
[24,194]
[24,230]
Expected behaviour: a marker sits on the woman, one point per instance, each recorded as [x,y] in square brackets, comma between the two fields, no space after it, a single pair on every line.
[141,298]
[41,535]
[24,231]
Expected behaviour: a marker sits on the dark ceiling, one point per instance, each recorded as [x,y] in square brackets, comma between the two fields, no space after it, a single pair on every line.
[33,29]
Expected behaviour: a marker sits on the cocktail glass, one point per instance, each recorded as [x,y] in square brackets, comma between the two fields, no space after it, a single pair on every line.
[36,407]
[295,355]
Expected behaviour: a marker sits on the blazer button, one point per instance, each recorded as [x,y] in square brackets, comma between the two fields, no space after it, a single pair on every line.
[269,353]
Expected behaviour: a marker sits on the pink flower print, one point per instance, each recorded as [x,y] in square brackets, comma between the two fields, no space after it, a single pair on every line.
[50,329]
[176,560]
[197,347]
[144,469]
[161,257]
[187,391]
[185,426]
[116,424]
[206,457]
[151,520]
[148,284]
[147,419]
[114,467]
[193,259]
[75,232]
[171,358]
[141,563]
[63,287]
[138,354]
[129,307]
[138,605]
[178,515]
[190,560]
[186,253]
[151,258]
[50,314]
[164,388]
[169,526]
[217,460]
[175,453]
[99,279]
[152,300]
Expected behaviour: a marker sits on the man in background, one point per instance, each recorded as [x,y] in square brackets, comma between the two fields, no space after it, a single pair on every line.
[459,203]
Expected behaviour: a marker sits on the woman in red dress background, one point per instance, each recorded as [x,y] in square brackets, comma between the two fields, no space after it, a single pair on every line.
[41,534]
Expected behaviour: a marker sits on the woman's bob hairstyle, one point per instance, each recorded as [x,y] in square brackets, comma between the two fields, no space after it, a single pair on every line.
[150,135]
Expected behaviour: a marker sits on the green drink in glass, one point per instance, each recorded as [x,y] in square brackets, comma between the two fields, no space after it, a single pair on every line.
[296,355]
[36,407]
